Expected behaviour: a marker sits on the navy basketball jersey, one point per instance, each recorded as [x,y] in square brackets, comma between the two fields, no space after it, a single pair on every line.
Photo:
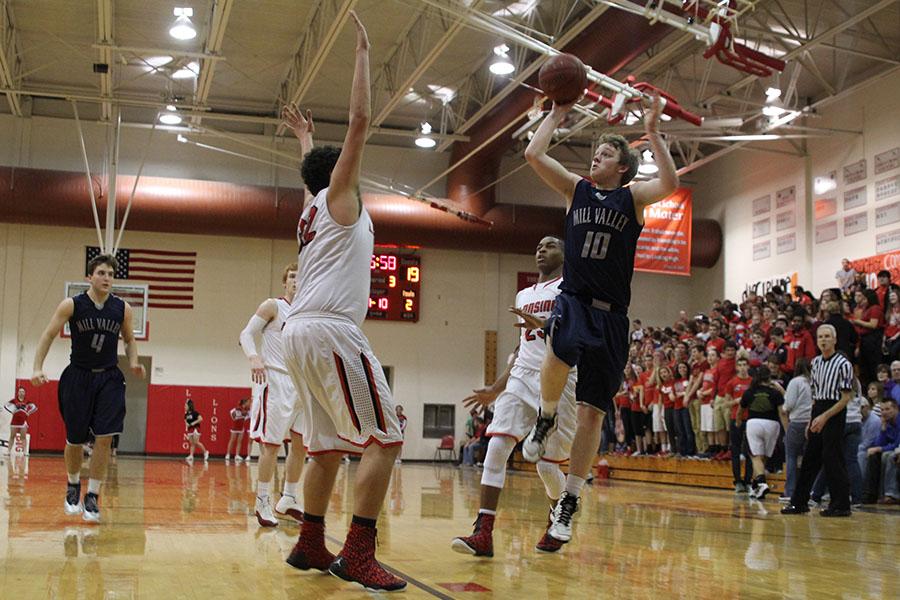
[95,332]
[601,240]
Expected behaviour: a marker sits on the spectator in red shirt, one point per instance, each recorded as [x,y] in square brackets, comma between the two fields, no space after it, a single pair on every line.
[698,364]
[707,394]
[868,319]
[715,340]
[739,384]
[799,342]
[684,433]
[884,285]
[892,325]
[725,370]
[667,409]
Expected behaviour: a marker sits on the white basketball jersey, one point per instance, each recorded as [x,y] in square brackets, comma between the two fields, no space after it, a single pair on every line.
[272,348]
[333,267]
[537,300]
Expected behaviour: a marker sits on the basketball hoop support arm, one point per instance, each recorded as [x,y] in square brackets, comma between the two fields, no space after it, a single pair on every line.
[619,89]
[87,173]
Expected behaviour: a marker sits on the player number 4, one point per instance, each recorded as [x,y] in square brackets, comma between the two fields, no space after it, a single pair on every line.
[97,342]
[595,245]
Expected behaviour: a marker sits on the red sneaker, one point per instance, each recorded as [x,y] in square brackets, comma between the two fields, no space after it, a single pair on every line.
[481,542]
[356,563]
[310,552]
[548,544]
[726,455]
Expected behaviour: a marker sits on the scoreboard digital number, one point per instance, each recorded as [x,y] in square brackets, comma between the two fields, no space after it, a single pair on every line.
[394,287]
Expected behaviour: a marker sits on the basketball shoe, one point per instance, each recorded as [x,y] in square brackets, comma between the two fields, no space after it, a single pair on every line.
[356,562]
[535,444]
[264,513]
[310,552]
[91,508]
[481,542]
[287,507]
[547,543]
[563,513]
[73,504]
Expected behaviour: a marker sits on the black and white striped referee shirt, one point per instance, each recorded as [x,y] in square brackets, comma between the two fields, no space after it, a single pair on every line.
[830,377]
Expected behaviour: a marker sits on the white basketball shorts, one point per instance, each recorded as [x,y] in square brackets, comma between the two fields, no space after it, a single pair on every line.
[762,436]
[707,418]
[344,395]
[516,409]
[275,411]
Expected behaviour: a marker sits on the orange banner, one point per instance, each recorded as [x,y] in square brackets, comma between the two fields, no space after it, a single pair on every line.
[665,243]
[870,265]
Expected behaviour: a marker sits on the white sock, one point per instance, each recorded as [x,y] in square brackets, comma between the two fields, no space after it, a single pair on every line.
[227,457]
[484,511]
[262,490]
[94,486]
[290,489]
[74,477]
[574,483]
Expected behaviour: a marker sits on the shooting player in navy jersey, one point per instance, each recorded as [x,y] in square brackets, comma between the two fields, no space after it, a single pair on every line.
[589,324]
[91,388]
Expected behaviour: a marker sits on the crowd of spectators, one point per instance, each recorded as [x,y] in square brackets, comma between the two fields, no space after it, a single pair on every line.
[691,387]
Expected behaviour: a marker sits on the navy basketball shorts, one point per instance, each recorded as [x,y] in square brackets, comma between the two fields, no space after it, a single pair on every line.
[91,402]
[595,341]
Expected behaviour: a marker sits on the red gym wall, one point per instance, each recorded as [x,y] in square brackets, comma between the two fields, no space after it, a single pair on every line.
[165,416]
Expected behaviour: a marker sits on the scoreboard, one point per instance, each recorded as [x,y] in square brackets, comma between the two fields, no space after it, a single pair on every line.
[394,287]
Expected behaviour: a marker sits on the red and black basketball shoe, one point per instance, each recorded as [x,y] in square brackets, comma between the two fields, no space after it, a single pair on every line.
[310,552]
[356,563]
[548,543]
[481,542]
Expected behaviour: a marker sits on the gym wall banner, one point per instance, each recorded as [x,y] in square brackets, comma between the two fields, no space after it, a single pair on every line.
[870,265]
[665,243]
[787,282]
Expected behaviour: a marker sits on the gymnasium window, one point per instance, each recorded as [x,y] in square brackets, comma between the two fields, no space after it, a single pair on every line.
[439,420]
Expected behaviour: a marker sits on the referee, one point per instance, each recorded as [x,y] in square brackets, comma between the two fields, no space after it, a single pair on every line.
[831,379]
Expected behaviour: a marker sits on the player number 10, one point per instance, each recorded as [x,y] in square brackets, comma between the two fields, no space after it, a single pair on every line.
[595,245]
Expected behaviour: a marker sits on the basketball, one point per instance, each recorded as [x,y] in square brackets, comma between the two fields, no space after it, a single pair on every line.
[563,78]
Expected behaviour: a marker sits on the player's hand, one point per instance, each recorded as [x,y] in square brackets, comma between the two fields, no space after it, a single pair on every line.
[871,451]
[652,114]
[817,424]
[481,397]
[561,110]
[257,370]
[530,321]
[362,38]
[139,371]
[294,119]
[38,378]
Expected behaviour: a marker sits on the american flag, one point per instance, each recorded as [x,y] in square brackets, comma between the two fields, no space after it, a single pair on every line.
[170,275]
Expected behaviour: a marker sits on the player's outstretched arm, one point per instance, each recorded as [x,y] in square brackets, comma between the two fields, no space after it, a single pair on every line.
[549,169]
[646,193]
[344,200]
[62,314]
[301,125]
[485,396]
[131,343]
[251,333]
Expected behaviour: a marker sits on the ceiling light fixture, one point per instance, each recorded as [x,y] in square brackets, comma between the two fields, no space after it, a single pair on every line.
[183,29]
[190,70]
[425,140]
[772,94]
[152,63]
[773,111]
[648,164]
[501,64]
[170,117]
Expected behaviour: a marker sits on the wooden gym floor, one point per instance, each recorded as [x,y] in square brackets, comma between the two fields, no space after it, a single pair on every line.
[176,531]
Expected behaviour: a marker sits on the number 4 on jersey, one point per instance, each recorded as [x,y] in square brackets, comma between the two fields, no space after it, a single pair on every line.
[97,342]
[596,244]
